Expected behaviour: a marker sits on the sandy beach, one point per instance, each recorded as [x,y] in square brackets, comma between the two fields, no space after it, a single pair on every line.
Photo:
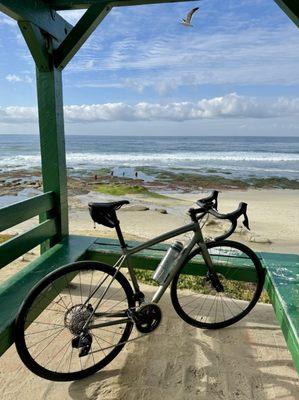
[273,216]
[206,365]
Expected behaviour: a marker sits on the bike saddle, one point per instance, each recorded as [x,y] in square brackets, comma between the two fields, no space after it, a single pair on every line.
[104,213]
[113,205]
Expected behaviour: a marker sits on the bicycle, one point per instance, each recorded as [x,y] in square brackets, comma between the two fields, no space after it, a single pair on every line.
[78,318]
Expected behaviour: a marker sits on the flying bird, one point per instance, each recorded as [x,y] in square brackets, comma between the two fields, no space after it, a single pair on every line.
[187,21]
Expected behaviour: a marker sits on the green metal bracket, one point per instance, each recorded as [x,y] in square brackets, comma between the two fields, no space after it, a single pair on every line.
[38,13]
[80,33]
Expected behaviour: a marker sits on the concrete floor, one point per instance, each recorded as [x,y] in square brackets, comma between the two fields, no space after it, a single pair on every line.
[249,360]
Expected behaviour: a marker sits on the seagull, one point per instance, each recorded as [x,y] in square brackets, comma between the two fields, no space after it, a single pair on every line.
[187,21]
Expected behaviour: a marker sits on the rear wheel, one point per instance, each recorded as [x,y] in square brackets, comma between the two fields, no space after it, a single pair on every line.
[51,318]
[241,275]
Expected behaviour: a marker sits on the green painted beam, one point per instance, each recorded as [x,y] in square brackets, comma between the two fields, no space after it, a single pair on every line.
[52,139]
[38,13]
[19,212]
[19,245]
[36,43]
[14,290]
[82,4]
[291,8]
[80,33]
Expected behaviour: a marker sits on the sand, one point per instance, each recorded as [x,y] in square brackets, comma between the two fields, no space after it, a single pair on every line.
[247,361]
[273,216]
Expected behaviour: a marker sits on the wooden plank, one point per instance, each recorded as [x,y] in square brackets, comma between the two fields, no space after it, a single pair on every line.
[39,13]
[21,211]
[289,329]
[19,245]
[80,33]
[108,251]
[282,284]
[14,290]
[51,125]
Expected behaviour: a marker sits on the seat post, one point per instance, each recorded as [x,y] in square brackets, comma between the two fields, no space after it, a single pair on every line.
[120,235]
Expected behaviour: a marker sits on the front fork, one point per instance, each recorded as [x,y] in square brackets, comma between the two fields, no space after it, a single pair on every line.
[212,274]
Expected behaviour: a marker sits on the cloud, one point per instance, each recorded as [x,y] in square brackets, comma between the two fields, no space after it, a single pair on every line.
[17,78]
[17,114]
[241,43]
[231,106]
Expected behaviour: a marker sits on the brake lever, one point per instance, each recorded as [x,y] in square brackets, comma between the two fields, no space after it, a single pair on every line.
[216,204]
[246,221]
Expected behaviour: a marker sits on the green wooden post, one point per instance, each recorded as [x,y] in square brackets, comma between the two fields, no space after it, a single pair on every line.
[51,126]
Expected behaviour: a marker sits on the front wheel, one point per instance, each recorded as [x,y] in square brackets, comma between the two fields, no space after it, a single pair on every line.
[50,324]
[241,274]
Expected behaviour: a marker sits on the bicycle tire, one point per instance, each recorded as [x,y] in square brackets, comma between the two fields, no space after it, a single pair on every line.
[40,288]
[252,259]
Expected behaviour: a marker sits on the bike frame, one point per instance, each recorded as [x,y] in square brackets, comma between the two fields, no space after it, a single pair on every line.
[197,239]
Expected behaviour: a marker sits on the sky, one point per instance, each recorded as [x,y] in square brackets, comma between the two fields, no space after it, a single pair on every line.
[235,72]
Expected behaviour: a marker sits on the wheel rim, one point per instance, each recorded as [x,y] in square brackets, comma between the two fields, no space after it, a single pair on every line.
[48,337]
[201,305]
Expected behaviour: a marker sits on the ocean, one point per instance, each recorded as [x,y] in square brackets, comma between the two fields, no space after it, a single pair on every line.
[240,157]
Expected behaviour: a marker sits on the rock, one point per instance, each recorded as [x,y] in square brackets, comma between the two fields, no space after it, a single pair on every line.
[135,208]
[161,210]
[259,239]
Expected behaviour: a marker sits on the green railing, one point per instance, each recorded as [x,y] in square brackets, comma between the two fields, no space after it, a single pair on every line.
[14,214]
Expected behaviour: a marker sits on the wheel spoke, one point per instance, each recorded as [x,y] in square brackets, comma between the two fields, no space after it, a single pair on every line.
[49,337]
[204,306]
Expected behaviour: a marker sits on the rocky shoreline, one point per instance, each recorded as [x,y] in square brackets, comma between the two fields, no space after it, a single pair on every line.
[82,182]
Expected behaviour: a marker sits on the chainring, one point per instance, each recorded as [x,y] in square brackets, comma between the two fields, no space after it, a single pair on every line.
[147,318]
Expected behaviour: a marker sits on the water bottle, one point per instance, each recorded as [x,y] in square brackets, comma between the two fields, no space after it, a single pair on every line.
[162,272]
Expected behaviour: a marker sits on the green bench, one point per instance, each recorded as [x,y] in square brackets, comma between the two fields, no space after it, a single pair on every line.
[281,281]
[14,290]
[282,285]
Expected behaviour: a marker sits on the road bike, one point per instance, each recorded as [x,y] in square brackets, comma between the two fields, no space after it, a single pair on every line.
[78,318]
